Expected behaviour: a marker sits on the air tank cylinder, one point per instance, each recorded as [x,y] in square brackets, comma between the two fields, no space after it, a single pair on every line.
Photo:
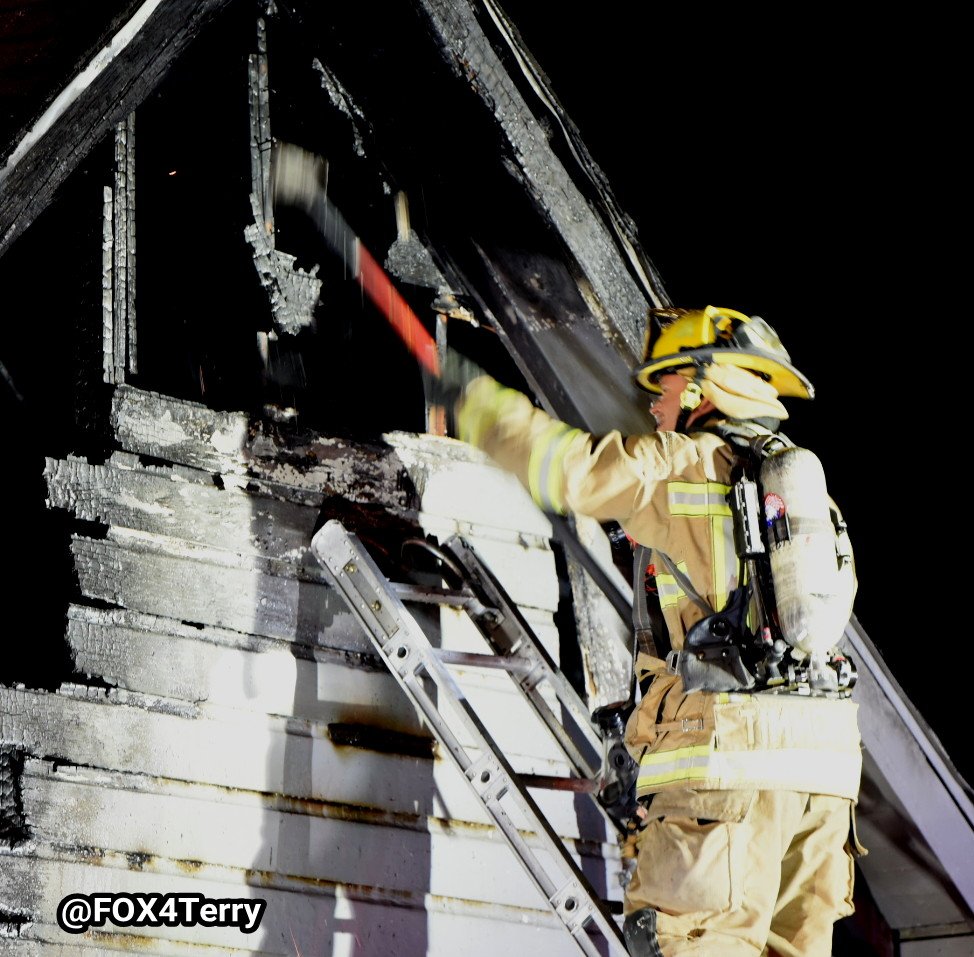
[811,561]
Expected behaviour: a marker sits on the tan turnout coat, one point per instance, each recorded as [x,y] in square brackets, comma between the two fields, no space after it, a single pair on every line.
[669,491]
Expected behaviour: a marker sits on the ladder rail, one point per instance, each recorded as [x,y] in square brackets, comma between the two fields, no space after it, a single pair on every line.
[606,776]
[406,651]
[509,634]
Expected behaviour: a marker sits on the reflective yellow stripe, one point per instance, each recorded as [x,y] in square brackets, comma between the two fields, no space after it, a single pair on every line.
[724,558]
[545,467]
[665,767]
[709,500]
[801,769]
[667,589]
[696,488]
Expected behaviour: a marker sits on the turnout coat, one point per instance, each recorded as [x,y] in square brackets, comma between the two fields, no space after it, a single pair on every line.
[669,491]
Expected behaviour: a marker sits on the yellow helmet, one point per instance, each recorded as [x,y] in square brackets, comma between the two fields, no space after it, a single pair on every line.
[698,337]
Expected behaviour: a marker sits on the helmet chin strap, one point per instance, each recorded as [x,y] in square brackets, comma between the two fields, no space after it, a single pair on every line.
[690,399]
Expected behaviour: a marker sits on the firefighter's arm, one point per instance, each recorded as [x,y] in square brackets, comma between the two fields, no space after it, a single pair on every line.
[564,468]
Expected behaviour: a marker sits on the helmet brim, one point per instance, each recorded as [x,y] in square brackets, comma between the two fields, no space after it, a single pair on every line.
[785,378]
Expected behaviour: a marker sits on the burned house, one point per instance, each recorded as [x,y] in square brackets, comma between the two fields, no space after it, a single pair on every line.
[198,381]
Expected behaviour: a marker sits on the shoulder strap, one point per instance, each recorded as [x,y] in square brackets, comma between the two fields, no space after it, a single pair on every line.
[684,583]
[749,436]
[642,622]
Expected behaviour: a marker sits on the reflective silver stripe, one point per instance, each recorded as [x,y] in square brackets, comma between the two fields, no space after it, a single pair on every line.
[698,498]
[668,590]
[799,769]
[545,475]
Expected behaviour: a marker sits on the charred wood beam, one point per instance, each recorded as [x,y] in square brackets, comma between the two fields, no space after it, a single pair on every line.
[118,79]
[293,292]
[572,360]
[908,755]
[232,443]
[572,315]
[118,260]
[470,54]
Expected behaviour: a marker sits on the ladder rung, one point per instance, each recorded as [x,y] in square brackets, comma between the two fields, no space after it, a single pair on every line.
[555,783]
[475,660]
[434,595]
[429,594]
[420,669]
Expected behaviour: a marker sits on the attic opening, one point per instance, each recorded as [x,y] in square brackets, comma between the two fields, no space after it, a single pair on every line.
[207,326]
[152,228]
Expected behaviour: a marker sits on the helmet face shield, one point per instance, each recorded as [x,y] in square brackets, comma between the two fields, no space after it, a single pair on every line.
[757,336]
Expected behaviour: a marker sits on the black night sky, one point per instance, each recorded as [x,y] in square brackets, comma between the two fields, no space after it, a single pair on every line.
[803,174]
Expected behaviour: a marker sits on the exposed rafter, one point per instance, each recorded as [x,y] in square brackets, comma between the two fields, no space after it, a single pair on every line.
[116,81]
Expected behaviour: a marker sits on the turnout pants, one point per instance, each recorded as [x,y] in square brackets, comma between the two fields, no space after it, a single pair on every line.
[744,873]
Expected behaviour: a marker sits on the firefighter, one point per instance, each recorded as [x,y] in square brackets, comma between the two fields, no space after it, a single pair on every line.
[747,839]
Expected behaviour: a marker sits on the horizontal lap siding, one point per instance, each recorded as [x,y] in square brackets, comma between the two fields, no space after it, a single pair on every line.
[250,739]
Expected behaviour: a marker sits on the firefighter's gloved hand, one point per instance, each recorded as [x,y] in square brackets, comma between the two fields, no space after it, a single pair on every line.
[456,373]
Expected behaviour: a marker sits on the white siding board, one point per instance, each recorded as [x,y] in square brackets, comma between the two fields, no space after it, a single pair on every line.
[160,577]
[229,443]
[604,638]
[136,575]
[235,749]
[165,819]
[300,918]
[451,483]
[456,481]
[159,656]
[525,571]
[138,652]
[174,505]
[215,770]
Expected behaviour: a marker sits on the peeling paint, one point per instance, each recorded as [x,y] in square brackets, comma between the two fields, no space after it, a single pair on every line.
[231,441]
[168,432]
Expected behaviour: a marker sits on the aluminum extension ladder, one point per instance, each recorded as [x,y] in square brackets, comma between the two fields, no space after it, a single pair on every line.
[401,643]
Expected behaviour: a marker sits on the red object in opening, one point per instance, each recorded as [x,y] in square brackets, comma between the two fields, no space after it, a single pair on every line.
[379,288]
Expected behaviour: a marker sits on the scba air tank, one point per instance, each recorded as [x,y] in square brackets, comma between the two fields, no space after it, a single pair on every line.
[811,561]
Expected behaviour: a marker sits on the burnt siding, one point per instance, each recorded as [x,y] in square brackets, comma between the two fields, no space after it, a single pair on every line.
[231,733]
